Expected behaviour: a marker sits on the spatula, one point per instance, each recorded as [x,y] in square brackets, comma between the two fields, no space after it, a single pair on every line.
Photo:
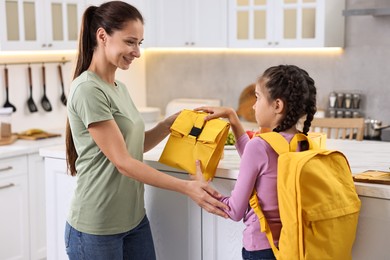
[63,97]
[45,101]
[7,103]
[30,102]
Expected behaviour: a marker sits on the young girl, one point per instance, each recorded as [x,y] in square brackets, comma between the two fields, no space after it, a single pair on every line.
[284,94]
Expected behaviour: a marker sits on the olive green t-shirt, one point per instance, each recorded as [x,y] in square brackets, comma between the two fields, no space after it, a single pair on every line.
[105,201]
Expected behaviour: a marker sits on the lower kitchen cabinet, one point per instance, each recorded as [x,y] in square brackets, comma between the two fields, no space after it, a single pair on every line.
[14,222]
[59,190]
[22,200]
[37,207]
[175,222]
[182,230]
[222,238]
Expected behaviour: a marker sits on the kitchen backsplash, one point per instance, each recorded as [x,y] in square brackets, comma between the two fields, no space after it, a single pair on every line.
[19,92]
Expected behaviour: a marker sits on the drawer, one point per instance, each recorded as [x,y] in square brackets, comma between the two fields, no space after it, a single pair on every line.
[13,166]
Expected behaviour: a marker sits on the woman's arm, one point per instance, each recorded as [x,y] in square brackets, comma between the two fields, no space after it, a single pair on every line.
[108,137]
[159,132]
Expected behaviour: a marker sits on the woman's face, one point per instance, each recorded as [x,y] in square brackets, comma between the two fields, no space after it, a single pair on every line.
[123,46]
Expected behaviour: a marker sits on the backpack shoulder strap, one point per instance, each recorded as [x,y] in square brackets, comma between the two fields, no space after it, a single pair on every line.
[280,144]
[276,141]
[264,227]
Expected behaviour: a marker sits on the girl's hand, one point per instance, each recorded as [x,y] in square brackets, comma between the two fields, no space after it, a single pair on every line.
[217,112]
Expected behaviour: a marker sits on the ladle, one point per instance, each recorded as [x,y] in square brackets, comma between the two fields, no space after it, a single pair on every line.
[45,101]
[7,103]
[63,97]
[30,102]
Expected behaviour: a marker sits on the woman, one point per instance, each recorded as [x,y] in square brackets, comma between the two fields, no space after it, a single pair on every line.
[106,141]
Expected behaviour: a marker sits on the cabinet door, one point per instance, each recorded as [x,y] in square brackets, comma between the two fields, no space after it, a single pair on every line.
[172,23]
[37,205]
[286,23]
[209,23]
[14,235]
[175,222]
[190,23]
[297,23]
[59,190]
[251,23]
[40,25]
[20,20]
[221,238]
[62,23]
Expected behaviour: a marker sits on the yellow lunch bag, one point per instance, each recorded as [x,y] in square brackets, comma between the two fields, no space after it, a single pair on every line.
[192,138]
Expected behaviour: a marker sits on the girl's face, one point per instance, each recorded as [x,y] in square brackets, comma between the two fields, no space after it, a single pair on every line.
[123,46]
[267,112]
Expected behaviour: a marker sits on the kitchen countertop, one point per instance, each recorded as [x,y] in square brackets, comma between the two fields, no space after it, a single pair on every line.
[22,147]
[362,156]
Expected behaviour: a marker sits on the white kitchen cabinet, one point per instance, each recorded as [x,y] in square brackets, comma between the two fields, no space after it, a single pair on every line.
[175,222]
[40,25]
[59,189]
[37,206]
[221,238]
[14,221]
[286,23]
[189,23]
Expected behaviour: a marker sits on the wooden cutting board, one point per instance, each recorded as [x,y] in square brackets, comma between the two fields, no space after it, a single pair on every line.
[38,136]
[8,141]
[379,177]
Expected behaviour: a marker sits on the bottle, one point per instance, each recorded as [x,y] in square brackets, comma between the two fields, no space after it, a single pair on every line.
[348,100]
[332,99]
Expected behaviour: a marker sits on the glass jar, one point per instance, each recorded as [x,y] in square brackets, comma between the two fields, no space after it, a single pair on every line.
[5,123]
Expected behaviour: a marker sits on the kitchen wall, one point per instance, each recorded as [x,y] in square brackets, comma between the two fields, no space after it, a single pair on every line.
[363,66]
[19,92]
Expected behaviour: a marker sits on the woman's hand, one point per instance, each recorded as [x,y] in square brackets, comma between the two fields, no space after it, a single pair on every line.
[204,195]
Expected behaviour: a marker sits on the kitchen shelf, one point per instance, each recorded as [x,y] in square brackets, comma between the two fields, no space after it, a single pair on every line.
[367,11]
[35,62]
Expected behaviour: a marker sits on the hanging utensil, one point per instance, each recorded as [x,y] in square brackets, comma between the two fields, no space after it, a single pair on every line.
[63,97]
[30,102]
[7,103]
[45,101]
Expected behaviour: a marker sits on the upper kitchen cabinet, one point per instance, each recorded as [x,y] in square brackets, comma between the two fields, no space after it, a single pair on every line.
[40,25]
[189,23]
[286,23]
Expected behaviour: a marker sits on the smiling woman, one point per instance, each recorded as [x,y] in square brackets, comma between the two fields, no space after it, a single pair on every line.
[105,141]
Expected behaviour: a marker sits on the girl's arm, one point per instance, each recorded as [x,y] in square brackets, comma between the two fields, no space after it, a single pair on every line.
[228,113]
[108,137]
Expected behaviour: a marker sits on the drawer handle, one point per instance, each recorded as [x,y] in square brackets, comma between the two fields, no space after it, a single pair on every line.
[6,169]
[7,186]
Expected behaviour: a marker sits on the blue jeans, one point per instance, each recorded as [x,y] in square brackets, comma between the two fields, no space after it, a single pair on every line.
[265,254]
[136,244]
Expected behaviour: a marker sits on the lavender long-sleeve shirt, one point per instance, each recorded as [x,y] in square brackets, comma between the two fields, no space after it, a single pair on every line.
[258,169]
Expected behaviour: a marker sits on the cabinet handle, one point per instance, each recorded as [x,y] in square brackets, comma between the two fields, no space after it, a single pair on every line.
[7,186]
[43,45]
[192,43]
[6,169]
[49,45]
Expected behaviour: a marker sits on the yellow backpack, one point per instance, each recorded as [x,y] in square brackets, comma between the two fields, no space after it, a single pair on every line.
[318,203]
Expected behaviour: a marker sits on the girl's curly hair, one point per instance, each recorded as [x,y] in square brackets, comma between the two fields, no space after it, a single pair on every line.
[296,89]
